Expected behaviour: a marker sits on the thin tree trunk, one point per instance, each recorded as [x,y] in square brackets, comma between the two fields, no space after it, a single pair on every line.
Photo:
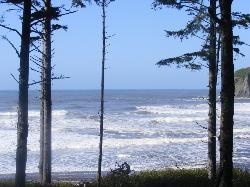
[22,124]
[47,96]
[41,137]
[102,90]
[42,117]
[218,54]
[227,95]
[212,97]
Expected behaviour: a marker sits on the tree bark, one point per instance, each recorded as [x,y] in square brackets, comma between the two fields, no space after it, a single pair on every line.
[42,115]
[212,96]
[22,124]
[47,96]
[227,95]
[102,90]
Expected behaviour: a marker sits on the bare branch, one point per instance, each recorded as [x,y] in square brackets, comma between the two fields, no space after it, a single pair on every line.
[53,78]
[14,78]
[35,70]
[11,29]
[12,45]
[201,126]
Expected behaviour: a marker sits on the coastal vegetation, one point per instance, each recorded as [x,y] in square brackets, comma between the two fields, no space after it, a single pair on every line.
[163,178]
[242,73]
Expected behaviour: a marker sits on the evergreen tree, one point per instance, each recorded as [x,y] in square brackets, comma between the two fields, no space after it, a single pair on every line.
[22,124]
[104,4]
[45,15]
[204,24]
[212,65]
[47,94]
[207,53]
[104,37]
[227,95]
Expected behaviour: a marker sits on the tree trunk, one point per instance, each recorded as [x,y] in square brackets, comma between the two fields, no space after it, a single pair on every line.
[212,97]
[47,96]
[42,116]
[227,95]
[102,90]
[22,124]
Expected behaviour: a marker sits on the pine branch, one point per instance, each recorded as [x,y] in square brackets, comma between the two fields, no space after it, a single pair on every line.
[53,78]
[186,60]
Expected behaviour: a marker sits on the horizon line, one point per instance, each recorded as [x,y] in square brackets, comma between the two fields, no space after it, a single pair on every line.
[111,89]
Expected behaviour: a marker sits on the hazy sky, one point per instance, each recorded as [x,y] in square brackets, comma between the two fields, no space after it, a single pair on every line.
[139,42]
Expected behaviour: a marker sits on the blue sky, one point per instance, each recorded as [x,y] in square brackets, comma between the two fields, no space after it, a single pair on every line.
[139,42]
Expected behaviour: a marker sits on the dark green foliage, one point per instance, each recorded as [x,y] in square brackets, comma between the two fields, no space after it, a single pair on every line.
[58,27]
[119,176]
[167,178]
[34,2]
[194,26]
[78,3]
[173,3]
[174,178]
[82,3]
[241,20]
[14,1]
[242,73]
[241,178]
[41,14]
[198,27]
[186,60]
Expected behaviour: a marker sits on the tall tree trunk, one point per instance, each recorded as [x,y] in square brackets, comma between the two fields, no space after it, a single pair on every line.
[102,90]
[227,95]
[212,96]
[22,124]
[42,115]
[47,96]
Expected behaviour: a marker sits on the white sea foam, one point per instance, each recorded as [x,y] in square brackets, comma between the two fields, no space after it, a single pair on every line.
[197,109]
[176,119]
[123,155]
[242,130]
[92,142]
[33,113]
[243,136]
[77,136]
[150,141]
[66,141]
[3,114]
[242,108]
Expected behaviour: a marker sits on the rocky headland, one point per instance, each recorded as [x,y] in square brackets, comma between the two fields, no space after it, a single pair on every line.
[242,82]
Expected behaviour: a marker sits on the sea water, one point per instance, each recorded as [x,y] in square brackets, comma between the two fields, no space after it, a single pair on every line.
[149,129]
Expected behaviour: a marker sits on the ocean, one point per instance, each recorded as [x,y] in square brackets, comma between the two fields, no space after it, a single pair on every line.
[149,129]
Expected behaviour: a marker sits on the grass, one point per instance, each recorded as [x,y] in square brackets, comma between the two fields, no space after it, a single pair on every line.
[171,178]
[166,178]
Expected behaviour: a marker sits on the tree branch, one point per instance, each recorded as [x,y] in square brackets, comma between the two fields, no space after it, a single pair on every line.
[12,45]
[11,29]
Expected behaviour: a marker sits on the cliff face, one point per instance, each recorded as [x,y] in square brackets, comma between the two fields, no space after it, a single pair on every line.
[242,83]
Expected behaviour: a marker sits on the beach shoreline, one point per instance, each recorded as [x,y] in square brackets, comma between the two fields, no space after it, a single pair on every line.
[72,177]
